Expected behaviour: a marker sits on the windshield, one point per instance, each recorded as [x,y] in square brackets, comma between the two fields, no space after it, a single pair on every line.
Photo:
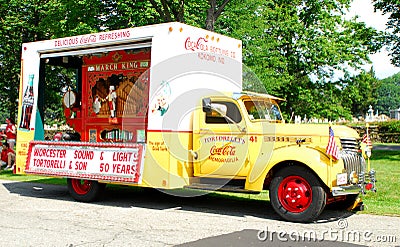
[266,110]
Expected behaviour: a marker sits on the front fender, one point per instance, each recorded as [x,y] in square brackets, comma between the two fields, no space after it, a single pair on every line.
[312,157]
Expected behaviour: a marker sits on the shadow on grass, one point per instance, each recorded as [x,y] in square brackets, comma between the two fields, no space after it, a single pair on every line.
[389,155]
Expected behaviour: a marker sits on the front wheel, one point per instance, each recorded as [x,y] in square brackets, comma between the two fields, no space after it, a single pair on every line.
[84,190]
[297,195]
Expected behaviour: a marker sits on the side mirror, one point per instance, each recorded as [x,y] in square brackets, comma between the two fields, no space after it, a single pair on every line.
[206,105]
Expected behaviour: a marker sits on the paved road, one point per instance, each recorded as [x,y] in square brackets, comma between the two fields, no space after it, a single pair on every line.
[390,147]
[33,214]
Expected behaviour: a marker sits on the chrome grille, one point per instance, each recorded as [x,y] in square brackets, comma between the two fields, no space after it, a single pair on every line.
[350,144]
[352,159]
[353,162]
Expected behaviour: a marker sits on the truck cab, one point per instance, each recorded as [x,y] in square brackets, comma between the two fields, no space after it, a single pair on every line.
[243,144]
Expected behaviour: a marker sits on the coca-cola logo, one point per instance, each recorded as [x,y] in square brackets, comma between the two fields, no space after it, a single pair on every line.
[227,150]
[88,39]
[199,44]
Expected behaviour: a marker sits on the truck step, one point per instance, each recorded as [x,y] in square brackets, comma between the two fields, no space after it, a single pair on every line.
[218,187]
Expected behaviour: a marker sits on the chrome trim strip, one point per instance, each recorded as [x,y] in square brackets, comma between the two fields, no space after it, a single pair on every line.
[345,190]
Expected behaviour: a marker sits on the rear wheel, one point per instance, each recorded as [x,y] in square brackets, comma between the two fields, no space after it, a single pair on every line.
[297,195]
[84,190]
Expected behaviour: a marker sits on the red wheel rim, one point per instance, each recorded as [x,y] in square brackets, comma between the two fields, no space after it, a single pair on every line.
[295,194]
[81,187]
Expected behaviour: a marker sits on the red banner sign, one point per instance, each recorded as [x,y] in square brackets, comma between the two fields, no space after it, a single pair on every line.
[97,161]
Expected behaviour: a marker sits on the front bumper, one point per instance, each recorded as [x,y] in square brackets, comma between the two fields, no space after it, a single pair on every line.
[345,190]
[357,179]
[365,182]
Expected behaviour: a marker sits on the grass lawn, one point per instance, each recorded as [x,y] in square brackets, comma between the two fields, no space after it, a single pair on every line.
[8,175]
[385,202]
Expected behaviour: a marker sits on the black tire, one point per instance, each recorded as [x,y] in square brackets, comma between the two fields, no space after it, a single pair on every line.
[85,190]
[297,195]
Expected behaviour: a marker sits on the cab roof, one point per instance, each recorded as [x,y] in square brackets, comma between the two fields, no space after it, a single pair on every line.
[248,94]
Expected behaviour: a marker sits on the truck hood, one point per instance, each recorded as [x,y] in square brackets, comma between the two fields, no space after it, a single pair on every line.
[320,130]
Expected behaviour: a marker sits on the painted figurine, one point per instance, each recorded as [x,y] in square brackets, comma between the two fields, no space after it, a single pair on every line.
[112,101]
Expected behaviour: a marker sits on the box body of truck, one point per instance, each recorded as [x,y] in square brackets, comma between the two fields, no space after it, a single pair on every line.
[162,106]
[149,68]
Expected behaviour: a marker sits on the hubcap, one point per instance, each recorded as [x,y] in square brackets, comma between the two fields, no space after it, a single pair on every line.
[295,194]
[81,187]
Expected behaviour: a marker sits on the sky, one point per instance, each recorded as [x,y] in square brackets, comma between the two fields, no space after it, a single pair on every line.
[381,61]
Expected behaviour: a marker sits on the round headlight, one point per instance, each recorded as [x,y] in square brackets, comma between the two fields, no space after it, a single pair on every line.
[368,152]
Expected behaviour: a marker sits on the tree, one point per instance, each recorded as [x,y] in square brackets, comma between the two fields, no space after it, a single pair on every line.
[130,13]
[193,12]
[13,32]
[65,18]
[292,45]
[360,92]
[388,95]
[27,21]
[391,7]
[169,10]
[33,20]
[214,12]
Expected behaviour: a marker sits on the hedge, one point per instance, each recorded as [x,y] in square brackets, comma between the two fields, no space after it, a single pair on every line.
[383,132]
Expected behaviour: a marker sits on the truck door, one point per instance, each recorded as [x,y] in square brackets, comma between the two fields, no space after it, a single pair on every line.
[221,140]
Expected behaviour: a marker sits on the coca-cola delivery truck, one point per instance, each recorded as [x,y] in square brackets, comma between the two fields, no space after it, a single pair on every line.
[162,106]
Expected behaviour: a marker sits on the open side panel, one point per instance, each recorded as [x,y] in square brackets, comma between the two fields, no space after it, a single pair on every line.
[114,97]
[105,92]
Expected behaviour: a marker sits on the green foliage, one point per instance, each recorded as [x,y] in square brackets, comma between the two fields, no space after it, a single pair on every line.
[134,13]
[130,13]
[388,95]
[391,8]
[13,32]
[293,47]
[64,18]
[389,126]
[27,21]
[360,92]
[58,80]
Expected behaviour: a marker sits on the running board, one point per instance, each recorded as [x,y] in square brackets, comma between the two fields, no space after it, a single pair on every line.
[218,187]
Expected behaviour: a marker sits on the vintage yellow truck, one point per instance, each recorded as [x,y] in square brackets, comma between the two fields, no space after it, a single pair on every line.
[162,106]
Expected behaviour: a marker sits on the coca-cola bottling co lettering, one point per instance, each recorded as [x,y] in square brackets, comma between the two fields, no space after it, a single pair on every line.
[199,45]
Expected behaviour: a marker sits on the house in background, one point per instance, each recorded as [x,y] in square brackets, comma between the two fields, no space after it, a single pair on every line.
[395,114]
